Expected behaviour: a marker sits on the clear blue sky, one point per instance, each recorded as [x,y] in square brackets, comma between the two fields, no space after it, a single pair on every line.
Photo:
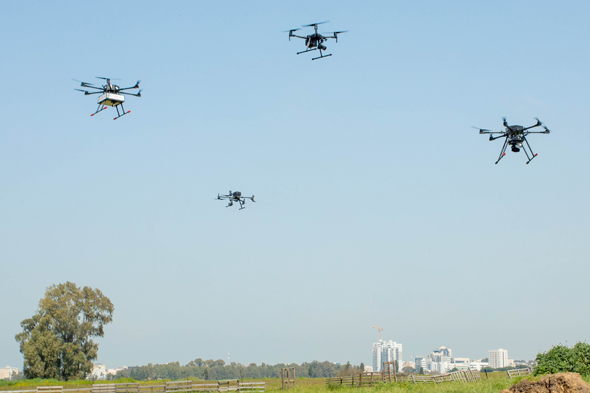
[376,201]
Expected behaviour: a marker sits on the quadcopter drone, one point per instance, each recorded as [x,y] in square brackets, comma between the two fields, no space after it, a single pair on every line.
[515,136]
[112,95]
[236,197]
[315,41]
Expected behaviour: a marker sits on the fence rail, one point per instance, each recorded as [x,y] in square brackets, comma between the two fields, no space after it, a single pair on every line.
[228,385]
[372,379]
[517,372]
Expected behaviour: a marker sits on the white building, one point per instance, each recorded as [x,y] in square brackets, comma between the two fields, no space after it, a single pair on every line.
[386,351]
[8,372]
[99,372]
[421,363]
[498,358]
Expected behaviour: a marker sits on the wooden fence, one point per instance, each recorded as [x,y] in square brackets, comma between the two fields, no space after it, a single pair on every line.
[371,379]
[228,385]
[518,372]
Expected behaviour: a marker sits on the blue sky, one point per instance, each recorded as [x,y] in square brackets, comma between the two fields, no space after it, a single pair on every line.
[376,201]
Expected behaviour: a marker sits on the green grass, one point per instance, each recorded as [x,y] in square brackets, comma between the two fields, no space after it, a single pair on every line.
[493,384]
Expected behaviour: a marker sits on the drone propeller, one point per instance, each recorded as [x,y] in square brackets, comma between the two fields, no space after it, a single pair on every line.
[336,34]
[481,130]
[84,91]
[315,24]
[546,130]
[504,122]
[113,79]
[86,84]
[290,32]
[137,85]
[539,122]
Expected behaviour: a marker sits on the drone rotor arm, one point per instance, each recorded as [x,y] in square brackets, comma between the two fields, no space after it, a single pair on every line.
[335,34]
[91,87]
[547,131]
[136,86]
[87,93]
[536,125]
[493,138]
[485,131]
[138,94]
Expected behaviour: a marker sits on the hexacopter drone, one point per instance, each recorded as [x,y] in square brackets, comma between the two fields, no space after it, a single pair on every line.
[112,95]
[315,41]
[236,197]
[515,136]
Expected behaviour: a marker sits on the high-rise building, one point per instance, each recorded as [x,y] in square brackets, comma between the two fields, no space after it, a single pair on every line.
[498,358]
[386,351]
[421,363]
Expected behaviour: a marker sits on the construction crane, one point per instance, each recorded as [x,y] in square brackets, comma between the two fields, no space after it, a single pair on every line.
[379,328]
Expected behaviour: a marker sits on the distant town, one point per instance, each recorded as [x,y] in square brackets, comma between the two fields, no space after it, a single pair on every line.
[439,361]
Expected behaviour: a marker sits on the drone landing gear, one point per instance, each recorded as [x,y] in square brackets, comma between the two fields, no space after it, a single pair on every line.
[533,155]
[315,58]
[99,109]
[123,113]
[530,156]
[321,57]
[503,152]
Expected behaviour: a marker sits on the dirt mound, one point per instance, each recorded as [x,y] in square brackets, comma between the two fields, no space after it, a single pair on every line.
[556,383]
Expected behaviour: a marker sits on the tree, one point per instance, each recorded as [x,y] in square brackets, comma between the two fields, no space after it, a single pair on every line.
[362,367]
[310,371]
[421,371]
[56,342]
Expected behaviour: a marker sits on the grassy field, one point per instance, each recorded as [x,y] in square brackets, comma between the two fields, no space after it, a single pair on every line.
[493,384]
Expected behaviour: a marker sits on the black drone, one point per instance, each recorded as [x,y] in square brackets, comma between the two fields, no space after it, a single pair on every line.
[515,136]
[236,197]
[112,95]
[315,41]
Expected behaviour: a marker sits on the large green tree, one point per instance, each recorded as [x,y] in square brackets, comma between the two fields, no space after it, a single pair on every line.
[57,341]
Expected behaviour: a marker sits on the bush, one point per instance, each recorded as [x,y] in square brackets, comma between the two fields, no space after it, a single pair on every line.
[564,359]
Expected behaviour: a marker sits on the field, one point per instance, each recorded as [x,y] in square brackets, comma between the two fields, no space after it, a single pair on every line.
[495,383]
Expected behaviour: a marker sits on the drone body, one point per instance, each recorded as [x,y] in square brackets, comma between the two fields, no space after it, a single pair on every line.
[236,197]
[315,41]
[112,95]
[516,138]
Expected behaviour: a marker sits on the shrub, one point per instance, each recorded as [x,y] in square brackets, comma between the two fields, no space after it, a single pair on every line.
[564,359]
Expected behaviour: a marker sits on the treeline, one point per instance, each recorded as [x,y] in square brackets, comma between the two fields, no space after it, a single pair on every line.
[213,370]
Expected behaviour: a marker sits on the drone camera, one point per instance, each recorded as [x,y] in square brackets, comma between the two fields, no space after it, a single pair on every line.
[515,149]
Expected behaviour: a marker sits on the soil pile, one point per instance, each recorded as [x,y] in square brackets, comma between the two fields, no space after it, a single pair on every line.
[556,383]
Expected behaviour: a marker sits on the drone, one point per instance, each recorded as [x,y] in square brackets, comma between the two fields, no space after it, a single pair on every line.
[315,41]
[515,136]
[236,197]
[112,95]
